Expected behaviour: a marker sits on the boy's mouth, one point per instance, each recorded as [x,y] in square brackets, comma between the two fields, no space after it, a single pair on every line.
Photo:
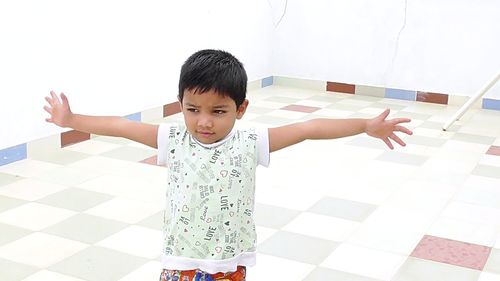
[205,134]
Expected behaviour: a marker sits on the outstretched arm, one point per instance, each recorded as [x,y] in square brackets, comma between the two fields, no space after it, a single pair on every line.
[377,127]
[61,115]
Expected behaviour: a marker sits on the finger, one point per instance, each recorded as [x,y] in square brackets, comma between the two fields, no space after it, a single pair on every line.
[403,130]
[384,114]
[49,100]
[64,99]
[388,143]
[400,120]
[397,140]
[55,98]
[48,109]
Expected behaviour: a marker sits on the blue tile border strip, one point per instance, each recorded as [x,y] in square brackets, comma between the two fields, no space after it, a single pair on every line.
[400,94]
[491,104]
[268,81]
[13,154]
[134,117]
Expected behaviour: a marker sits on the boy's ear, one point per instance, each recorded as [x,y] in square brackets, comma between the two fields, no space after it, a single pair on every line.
[241,110]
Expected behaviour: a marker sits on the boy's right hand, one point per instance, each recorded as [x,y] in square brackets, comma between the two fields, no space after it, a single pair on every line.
[60,112]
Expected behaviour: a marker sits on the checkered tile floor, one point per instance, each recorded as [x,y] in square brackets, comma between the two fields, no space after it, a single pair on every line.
[347,209]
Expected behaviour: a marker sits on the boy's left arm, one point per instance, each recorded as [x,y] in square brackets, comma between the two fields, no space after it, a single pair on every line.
[378,127]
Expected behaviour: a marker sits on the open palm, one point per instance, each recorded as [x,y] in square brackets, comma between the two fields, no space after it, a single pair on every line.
[383,129]
[59,109]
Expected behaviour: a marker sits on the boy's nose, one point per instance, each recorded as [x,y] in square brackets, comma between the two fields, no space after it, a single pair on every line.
[205,122]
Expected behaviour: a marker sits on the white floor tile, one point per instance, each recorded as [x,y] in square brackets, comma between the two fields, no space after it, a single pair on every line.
[100,164]
[45,275]
[30,190]
[149,246]
[324,227]
[455,229]
[35,216]
[487,276]
[28,168]
[263,233]
[40,249]
[125,210]
[92,146]
[285,198]
[462,146]
[365,262]
[140,189]
[289,114]
[332,113]
[392,229]
[313,103]
[67,176]
[491,160]
[472,213]
[274,268]
[149,271]
[394,239]
[481,191]
[497,243]
[422,197]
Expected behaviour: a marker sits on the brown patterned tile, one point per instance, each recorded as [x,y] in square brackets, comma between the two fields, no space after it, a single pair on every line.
[452,252]
[72,137]
[432,97]
[300,108]
[171,109]
[340,87]
[494,150]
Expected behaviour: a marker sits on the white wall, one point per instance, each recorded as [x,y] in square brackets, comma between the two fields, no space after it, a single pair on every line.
[114,57]
[448,46]
[121,56]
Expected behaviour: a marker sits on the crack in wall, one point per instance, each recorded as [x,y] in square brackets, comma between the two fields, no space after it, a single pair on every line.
[282,15]
[396,49]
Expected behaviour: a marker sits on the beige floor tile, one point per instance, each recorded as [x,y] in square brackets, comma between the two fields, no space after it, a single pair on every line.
[30,190]
[40,249]
[34,216]
[45,275]
[124,210]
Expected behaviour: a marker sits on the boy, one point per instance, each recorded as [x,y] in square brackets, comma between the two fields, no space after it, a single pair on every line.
[209,232]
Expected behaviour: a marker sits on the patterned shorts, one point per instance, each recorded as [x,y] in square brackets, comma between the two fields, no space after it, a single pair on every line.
[198,275]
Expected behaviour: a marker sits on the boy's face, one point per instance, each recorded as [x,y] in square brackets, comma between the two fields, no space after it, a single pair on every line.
[209,117]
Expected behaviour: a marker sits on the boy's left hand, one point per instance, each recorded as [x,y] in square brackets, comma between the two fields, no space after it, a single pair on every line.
[383,129]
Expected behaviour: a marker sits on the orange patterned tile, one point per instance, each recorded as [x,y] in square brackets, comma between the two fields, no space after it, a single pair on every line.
[494,150]
[151,160]
[452,252]
[300,108]
[72,137]
[171,109]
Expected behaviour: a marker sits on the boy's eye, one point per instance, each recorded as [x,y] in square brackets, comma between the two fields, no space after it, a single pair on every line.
[192,110]
[219,111]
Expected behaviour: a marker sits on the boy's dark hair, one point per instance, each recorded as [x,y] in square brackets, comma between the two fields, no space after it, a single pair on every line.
[215,70]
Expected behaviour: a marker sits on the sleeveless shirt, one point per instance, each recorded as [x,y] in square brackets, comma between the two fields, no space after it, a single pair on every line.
[210,196]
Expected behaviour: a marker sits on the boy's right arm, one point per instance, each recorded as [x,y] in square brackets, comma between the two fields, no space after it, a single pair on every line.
[61,115]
